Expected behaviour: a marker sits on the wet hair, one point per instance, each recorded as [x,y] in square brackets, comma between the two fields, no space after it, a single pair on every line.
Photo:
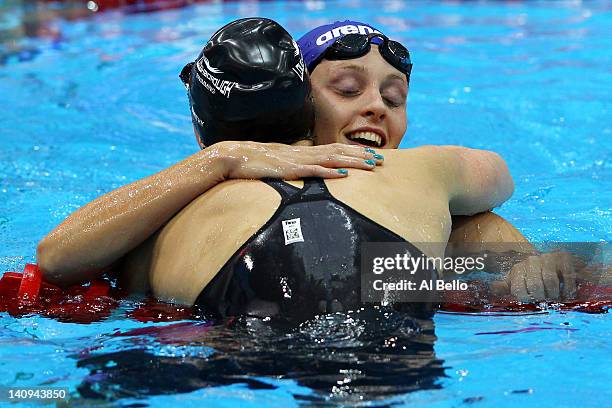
[250,83]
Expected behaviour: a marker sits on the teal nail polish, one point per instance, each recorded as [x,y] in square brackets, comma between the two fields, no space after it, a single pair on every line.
[370,162]
[370,150]
[379,157]
[343,171]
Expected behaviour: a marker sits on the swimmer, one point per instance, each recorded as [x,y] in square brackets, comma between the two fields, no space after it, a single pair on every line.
[121,220]
[294,250]
[299,245]
[342,92]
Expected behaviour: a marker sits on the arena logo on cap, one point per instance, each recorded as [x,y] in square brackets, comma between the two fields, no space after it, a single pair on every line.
[344,30]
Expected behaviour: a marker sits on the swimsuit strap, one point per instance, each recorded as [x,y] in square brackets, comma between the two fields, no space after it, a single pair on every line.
[286,190]
[314,189]
[314,186]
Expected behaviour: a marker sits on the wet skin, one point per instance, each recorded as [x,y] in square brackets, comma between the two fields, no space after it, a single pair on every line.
[365,95]
[375,104]
[413,195]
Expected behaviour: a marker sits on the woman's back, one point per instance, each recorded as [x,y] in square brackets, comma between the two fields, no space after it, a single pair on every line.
[407,198]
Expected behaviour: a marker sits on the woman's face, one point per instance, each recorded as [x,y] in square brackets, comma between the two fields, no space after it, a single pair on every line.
[360,101]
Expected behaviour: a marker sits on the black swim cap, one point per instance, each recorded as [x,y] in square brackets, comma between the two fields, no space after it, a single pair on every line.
[250,83]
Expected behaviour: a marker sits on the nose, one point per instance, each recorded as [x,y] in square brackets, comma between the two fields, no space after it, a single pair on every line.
[374,107]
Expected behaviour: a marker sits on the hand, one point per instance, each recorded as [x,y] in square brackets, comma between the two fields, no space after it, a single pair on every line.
[251,160]
[545,277]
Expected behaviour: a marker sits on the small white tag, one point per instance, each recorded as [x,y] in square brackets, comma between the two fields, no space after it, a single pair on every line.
[292,231]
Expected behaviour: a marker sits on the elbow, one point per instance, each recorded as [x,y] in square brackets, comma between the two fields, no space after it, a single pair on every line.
[505,182]
[54,268]
[486,182]
[61,264]
[47,261]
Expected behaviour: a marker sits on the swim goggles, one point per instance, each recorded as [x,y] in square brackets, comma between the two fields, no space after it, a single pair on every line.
[357,45]
[186,73]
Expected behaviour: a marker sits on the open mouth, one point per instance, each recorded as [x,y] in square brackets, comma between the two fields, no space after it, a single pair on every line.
[370,139]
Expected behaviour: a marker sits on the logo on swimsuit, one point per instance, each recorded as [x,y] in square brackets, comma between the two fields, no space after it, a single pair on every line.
[344,30]
[292,231]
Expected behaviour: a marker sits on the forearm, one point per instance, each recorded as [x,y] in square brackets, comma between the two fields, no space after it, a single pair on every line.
[104,230]
[486,227]
[488,233]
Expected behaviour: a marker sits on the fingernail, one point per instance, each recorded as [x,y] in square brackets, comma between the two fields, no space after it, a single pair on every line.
[370,162]
[379,157]
[343,171]
[370,150]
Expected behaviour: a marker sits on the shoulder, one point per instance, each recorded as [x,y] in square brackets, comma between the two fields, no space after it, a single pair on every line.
[234,194]
[447,162]
[431,164]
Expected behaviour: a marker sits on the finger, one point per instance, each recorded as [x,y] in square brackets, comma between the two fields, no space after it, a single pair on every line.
[359,152]
[515,270]
[575,261]
[551,281]
[346,161]
[499,288]
[533,278]
[374,155]
[319,171]
[568,277]
[518,287]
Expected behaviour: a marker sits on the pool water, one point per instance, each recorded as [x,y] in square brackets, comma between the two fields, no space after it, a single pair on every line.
[92,102]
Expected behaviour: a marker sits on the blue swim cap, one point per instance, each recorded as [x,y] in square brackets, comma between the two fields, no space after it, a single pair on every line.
[315,42]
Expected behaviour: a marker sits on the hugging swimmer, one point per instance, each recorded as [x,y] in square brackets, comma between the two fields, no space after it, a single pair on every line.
[227,249]
[99,236]
[137,217]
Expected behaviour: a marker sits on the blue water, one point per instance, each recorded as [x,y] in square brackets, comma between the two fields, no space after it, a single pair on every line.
[101,105]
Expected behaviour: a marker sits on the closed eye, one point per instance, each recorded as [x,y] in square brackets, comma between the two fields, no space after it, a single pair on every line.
[348,92]
[394,103]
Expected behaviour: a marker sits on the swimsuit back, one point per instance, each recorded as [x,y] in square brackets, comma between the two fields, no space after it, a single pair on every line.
[304,261]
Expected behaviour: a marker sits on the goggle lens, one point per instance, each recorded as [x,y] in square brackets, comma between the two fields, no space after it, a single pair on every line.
[357,45]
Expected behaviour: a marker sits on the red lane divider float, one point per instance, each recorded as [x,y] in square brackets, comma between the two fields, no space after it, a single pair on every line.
[29,288]
[155,311]
[590,298]
[141,6]
[27,293]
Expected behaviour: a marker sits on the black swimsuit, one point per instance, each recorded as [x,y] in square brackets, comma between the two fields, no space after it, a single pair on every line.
[304,261]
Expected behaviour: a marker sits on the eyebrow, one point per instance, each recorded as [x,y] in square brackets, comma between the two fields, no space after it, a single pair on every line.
[353,67]
[397,76]
[361,68]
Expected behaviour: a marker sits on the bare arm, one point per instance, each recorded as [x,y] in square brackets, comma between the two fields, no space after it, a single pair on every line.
[477,180]
[487,227]
[488,233]
[103,231]
[528,274]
